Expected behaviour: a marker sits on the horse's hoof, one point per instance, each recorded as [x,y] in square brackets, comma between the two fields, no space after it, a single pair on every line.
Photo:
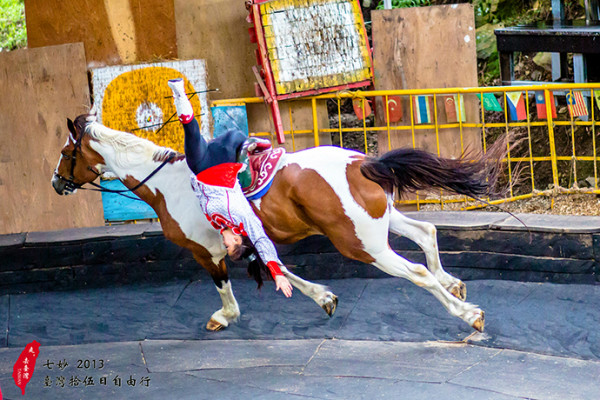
[214,326]
[330,306]
[459,290]
[479,323]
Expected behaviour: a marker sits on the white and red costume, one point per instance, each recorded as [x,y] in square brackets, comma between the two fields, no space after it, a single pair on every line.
[225,206]
[214,180]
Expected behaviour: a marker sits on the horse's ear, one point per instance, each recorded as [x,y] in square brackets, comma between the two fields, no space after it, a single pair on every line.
[71,127]
[93,114]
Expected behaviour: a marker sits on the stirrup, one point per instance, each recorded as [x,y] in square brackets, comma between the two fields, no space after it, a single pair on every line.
[257,145]
[252,145]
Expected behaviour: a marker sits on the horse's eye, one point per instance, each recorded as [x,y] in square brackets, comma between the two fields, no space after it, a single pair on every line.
[66,157]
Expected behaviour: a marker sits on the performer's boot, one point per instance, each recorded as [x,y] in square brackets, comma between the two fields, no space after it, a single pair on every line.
[185,112]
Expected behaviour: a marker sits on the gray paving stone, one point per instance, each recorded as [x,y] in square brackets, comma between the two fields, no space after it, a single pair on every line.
[12,240]
[190,387]
[152,229]
[96,315]
[396,309]
[552,319]
[375,314]
[546,318]
[292,381]
[120,359]
[177,355]
[81,234]
[265,313]
[551,223]
[458,219]
[437,362]
[160,387]
[116,355]
[535,376]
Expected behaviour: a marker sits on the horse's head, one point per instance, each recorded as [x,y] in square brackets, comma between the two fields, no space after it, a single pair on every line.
[78,161]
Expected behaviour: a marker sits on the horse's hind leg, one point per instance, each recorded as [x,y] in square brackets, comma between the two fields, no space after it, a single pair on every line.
[424,235]
[393,264]
[319,293]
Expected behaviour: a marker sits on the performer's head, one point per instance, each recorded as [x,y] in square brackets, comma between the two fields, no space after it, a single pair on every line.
[238,246]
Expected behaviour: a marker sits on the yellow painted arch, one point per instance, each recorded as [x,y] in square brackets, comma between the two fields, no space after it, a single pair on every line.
[128,91]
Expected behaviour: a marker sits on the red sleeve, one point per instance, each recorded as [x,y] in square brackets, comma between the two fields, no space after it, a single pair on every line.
[274,269]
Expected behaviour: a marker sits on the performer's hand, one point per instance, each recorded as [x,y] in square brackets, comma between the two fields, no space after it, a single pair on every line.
[281,282]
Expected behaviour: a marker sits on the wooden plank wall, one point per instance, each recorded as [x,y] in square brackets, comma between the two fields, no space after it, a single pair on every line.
[116,32]
[40,89]
[427,47]
[113,32]
[217,31]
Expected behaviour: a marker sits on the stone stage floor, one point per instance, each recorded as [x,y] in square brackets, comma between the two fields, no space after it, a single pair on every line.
[388,339]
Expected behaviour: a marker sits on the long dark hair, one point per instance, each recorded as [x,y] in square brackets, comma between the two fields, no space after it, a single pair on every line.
[248,252]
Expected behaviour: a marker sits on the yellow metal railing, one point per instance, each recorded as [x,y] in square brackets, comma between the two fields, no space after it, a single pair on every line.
[564,166]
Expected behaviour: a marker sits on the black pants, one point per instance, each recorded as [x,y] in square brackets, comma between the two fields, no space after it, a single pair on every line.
[201,155]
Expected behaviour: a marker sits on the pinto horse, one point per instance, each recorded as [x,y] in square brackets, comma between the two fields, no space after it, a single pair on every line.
[320,191]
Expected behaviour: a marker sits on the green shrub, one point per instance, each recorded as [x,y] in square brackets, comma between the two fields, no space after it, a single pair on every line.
[405,3]
[13,33]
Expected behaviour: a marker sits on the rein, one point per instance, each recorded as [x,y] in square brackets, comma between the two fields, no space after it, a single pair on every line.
[122,191]
[72,185]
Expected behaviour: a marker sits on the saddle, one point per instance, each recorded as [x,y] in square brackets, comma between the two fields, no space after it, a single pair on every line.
[261,162]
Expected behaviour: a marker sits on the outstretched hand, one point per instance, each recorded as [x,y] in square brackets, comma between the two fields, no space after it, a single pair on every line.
[281,282]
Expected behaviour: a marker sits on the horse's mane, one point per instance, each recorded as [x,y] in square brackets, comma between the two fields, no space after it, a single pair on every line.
[129,148]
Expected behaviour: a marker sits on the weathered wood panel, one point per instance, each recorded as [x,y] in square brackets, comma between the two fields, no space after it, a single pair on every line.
[217,31]
[426,47]
[40,89]
[259,120]
[113,32]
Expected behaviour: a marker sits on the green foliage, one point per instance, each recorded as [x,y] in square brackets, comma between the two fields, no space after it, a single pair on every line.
[494,14]
[405,3]
[486,40]
[510,12]
[13,33]
[489,70]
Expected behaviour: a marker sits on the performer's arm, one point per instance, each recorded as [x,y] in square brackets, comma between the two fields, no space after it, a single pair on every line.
[266,249]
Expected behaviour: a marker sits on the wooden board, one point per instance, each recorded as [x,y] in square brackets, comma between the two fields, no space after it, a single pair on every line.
[40,89]
[259,120]
[427,47]
[113,32]
[217,31]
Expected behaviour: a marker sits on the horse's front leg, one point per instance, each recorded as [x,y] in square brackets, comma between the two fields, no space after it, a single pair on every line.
[230,311]
[425,236]
[319,293]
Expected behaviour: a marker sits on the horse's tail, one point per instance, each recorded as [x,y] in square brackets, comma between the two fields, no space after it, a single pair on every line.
[473,174]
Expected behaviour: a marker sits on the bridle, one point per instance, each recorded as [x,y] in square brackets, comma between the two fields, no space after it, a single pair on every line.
[70,183]
[72,186]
